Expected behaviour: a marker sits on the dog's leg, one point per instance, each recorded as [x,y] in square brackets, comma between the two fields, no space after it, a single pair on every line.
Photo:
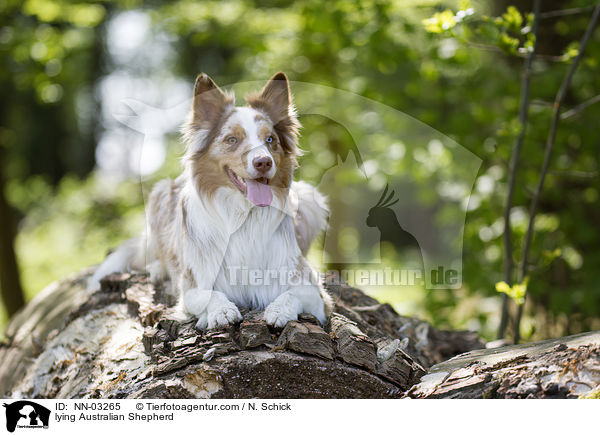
[210,307]
[130,255]
[158,272]
[196,281]
[296,300]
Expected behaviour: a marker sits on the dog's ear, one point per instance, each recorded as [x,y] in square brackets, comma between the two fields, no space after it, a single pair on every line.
[276,94]
[209,102]
[275,99]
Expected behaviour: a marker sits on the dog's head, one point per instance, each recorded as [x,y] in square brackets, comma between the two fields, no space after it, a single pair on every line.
[250,149]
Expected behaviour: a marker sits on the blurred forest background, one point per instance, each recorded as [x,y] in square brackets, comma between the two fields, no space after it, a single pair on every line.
[69,191]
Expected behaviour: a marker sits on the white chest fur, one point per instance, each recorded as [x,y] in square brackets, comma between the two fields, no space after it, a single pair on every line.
[258,259]
[258,251]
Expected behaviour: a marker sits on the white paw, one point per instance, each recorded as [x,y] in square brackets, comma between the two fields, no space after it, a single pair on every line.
[211,308]
[93,284]
[195,301]
[202,323]
[319,313]
[282,310]
[222,315]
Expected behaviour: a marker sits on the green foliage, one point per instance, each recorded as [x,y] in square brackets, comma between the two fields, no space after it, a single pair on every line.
[439,22]
[516,292]
[510,20]
[73,226]
[78,14]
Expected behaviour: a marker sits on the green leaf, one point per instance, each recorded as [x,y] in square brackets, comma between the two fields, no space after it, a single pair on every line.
[571,52]
[440,22]
[512,18]
[464,5]
[508,43]
[517,292]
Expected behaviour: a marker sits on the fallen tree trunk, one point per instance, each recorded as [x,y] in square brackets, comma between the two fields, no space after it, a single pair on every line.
[124,342]
[566,367]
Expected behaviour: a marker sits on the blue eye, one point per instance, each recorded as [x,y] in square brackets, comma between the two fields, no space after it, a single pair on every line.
[269,139]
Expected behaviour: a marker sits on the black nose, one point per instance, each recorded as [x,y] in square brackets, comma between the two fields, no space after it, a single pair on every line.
[262,164]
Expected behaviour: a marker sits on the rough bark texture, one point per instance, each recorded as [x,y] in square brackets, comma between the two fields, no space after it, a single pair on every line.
[566,367]
[124,342]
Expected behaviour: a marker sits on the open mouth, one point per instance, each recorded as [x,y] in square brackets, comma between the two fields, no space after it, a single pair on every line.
[257,190]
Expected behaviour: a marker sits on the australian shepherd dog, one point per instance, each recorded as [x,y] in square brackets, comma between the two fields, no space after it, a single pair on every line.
[235,212]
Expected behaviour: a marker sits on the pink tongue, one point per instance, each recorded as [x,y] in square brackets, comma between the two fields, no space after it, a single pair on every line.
[258,193]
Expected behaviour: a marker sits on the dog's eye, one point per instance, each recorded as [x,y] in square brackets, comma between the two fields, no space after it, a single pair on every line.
[269,140]
[232,140]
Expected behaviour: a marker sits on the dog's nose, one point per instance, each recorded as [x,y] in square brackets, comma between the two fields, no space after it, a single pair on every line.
[262,164]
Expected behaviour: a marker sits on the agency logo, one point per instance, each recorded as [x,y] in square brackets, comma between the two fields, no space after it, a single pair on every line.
[25,414]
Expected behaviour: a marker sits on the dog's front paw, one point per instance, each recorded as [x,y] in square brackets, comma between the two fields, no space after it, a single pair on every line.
[282,310]
[211,308]
[202,323]
[221,314]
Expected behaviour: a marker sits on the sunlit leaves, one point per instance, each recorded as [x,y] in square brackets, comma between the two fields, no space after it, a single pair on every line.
[570,52]
[45,10]
[511,31]
[508,43]
[516,292]
[86,15]
[549,256]
[440,21]
[78,14]
[511,19]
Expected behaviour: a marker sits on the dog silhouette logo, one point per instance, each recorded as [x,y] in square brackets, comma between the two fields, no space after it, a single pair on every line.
[26,414]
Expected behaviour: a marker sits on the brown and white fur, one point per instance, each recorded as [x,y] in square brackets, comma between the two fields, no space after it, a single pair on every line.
[234,206]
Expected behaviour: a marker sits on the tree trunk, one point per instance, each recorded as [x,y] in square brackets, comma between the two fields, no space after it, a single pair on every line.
[10,282]
[124,342]
[566,367]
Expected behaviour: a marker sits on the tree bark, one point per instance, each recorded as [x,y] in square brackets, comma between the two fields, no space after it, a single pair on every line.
[124,341]
[10,282]
[567,367]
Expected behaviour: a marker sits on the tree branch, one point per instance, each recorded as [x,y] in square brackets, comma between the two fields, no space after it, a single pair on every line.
[575,174]
[488,47]
[579,108]
[564,12]
[512,172]
[543,103]
[548,154]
